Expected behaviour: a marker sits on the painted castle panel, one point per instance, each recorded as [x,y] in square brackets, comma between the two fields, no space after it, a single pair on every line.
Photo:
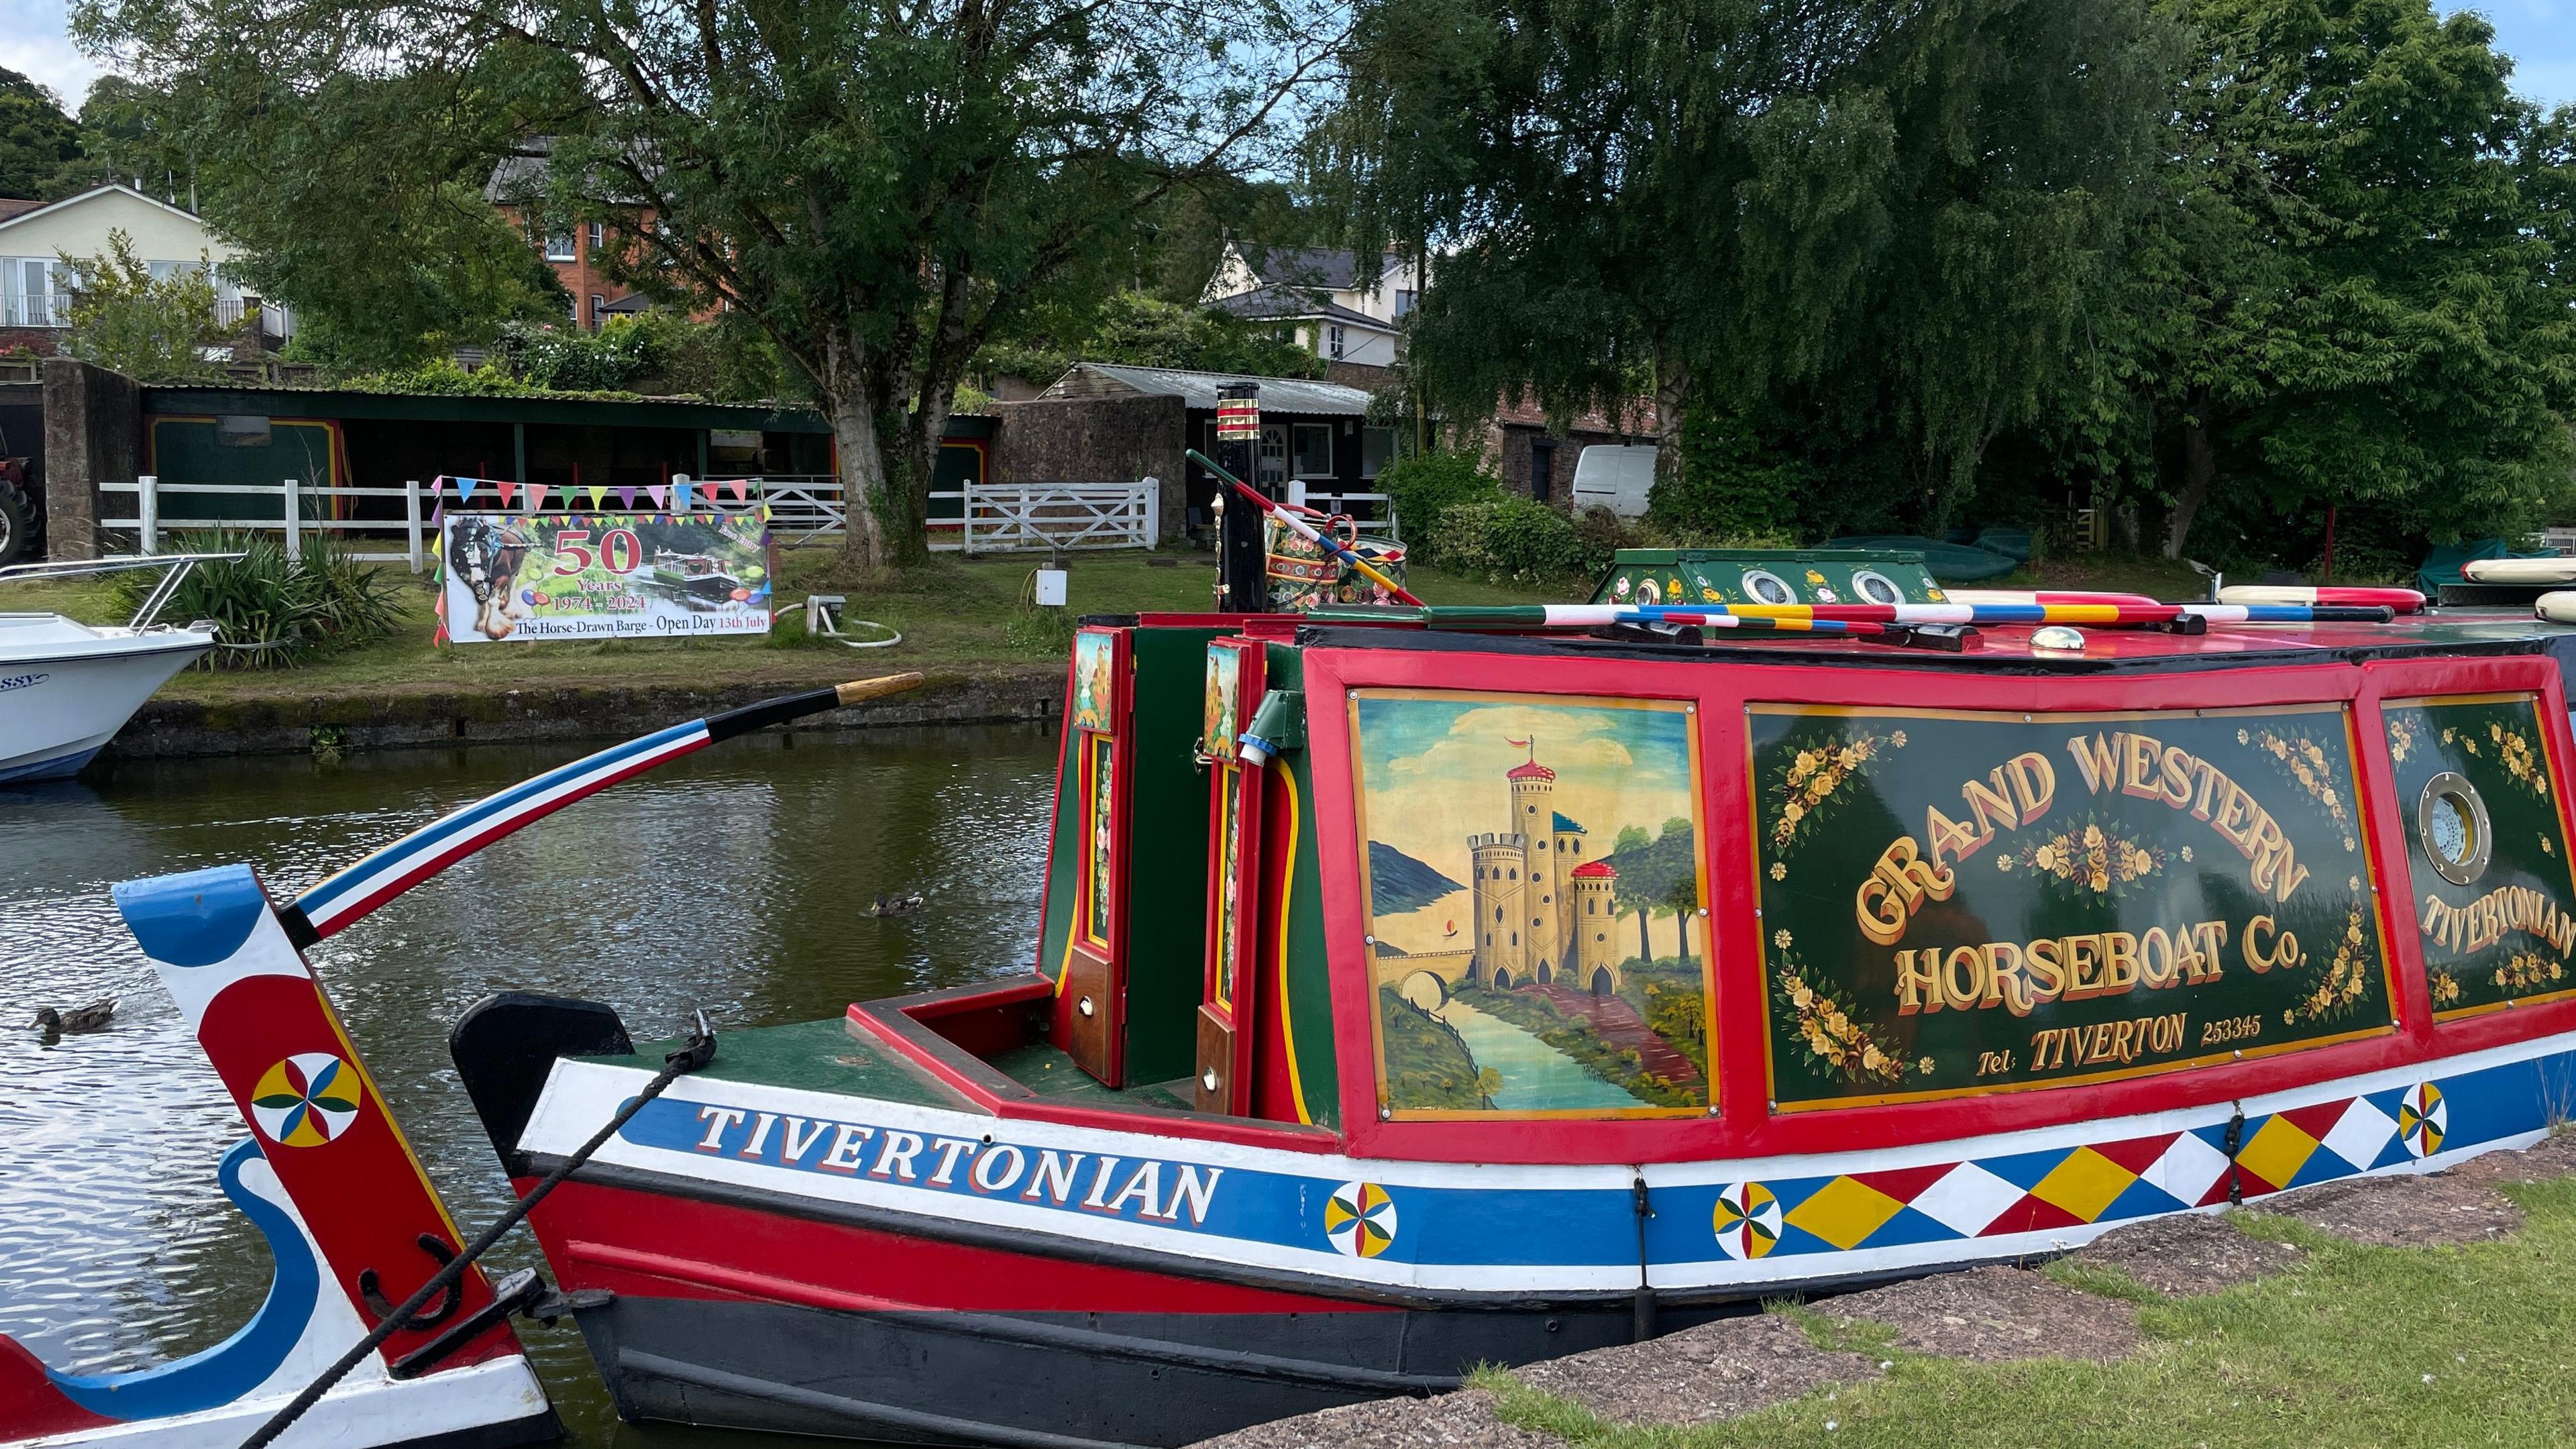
[1534,896]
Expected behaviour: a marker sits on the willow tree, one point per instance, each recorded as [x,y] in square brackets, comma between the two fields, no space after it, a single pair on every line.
[1723,199]
[880,187]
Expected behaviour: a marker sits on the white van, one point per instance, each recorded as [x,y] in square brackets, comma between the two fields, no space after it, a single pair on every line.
[1607,475]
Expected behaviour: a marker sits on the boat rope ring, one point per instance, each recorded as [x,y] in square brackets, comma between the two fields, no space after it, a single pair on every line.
[2451,825]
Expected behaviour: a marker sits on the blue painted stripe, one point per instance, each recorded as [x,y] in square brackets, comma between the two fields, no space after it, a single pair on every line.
[193,919]
[60,767]
[240,1363]
[438,832]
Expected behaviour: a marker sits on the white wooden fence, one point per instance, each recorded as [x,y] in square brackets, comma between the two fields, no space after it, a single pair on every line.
[1012,518]
[1373,512]
[285,516]
[989,518]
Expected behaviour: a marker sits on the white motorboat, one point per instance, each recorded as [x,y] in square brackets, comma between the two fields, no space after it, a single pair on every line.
[66,687]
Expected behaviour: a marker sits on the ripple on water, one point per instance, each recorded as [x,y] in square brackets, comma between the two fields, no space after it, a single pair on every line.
[733,880]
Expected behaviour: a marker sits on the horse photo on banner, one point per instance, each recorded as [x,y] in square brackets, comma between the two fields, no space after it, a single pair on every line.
[548,576]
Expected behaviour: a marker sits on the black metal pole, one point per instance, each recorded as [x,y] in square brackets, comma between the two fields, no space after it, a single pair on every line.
[1240,554]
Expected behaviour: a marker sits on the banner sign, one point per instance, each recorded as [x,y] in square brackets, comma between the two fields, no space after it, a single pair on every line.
[1957,902]
[548,576]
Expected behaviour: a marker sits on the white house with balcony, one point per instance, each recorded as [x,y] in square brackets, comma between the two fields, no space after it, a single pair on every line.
[1337,304]
[34,237]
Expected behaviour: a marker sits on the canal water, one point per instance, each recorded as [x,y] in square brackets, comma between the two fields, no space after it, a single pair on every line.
[735,880]
[1535,1075]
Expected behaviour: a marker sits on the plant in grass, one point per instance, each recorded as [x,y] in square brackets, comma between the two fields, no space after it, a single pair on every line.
[1509,540]
[1423,487]
[273,612]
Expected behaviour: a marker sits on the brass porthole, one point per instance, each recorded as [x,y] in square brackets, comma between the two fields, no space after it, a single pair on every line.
[2451,825]
[1766,587]
[1876,588]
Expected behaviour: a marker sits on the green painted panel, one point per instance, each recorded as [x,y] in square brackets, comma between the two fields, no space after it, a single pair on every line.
[1165,886]
[1958,903]
[1685,576]
[820,1056]
[2476,799]
[1309,1002]
[186,450]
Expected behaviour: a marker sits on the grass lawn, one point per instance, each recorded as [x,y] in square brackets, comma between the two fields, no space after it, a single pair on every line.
[2357,1346]
[957,617]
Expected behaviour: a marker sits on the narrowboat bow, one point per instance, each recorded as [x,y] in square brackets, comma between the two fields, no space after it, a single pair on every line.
[1425,987]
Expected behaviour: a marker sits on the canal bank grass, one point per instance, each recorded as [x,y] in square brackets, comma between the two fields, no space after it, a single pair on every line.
[959,618]
[2358,1346]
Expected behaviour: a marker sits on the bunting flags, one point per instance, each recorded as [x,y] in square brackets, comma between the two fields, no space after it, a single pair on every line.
[625,499]
[536,497]
[679,497]
[736,484]
[507,489]
[596,492]
[465,489]
[657,491]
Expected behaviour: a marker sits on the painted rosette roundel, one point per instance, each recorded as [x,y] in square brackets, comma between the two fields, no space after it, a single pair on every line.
[1960,902]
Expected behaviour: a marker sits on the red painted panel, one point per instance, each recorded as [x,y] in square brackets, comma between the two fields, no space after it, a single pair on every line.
[1744,1125]
[630,1241]
[361,1193]
[30,1405]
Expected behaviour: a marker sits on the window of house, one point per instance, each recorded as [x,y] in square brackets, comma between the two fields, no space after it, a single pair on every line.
[1377,449]
[1314,450]
[598,235]
[1333,340]
[1403,303]
[598,310]
[559,246]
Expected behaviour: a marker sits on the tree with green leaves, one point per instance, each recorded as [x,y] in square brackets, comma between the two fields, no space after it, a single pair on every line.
[883,189]
[388,254]
[154,329]
[2354,286]
[39,145]
[1145,331]
[1902,207]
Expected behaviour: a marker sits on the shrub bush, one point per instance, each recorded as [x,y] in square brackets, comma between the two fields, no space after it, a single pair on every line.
[1509,540]
[1425,486]
[274,613]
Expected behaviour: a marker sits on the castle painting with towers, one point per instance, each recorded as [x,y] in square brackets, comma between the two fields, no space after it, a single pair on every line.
[1533,889]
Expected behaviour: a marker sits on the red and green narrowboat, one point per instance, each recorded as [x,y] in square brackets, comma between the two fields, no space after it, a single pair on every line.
[1420,988]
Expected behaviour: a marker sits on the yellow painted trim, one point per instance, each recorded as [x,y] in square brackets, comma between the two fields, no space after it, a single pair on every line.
[1288,893]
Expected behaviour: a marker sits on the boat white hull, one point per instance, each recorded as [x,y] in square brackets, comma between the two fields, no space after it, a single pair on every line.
[66,691]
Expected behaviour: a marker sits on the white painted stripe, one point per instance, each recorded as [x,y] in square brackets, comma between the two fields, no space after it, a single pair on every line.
[580,1095]
[396,859]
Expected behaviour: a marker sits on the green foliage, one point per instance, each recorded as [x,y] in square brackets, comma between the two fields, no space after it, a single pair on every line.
[1146,331]
[39,145]
[1511,540]
[155,330]
[1729,483]
[274,613]
[1425,486]
[2353,290]
[881,190]
[1427,1064]
[1900,210]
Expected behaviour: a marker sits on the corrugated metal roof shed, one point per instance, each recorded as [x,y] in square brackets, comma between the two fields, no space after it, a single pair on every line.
[1198,389]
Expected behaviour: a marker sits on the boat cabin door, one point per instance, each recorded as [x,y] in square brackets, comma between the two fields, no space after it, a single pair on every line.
[1092,990]
[1225,1025]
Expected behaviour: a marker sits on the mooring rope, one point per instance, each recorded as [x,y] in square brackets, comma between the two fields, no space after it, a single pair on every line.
[694,1054]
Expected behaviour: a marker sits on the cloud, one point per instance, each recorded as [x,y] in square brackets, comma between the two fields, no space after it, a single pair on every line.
[35,41]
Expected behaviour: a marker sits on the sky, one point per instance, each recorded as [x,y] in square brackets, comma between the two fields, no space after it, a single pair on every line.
[2539,34]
